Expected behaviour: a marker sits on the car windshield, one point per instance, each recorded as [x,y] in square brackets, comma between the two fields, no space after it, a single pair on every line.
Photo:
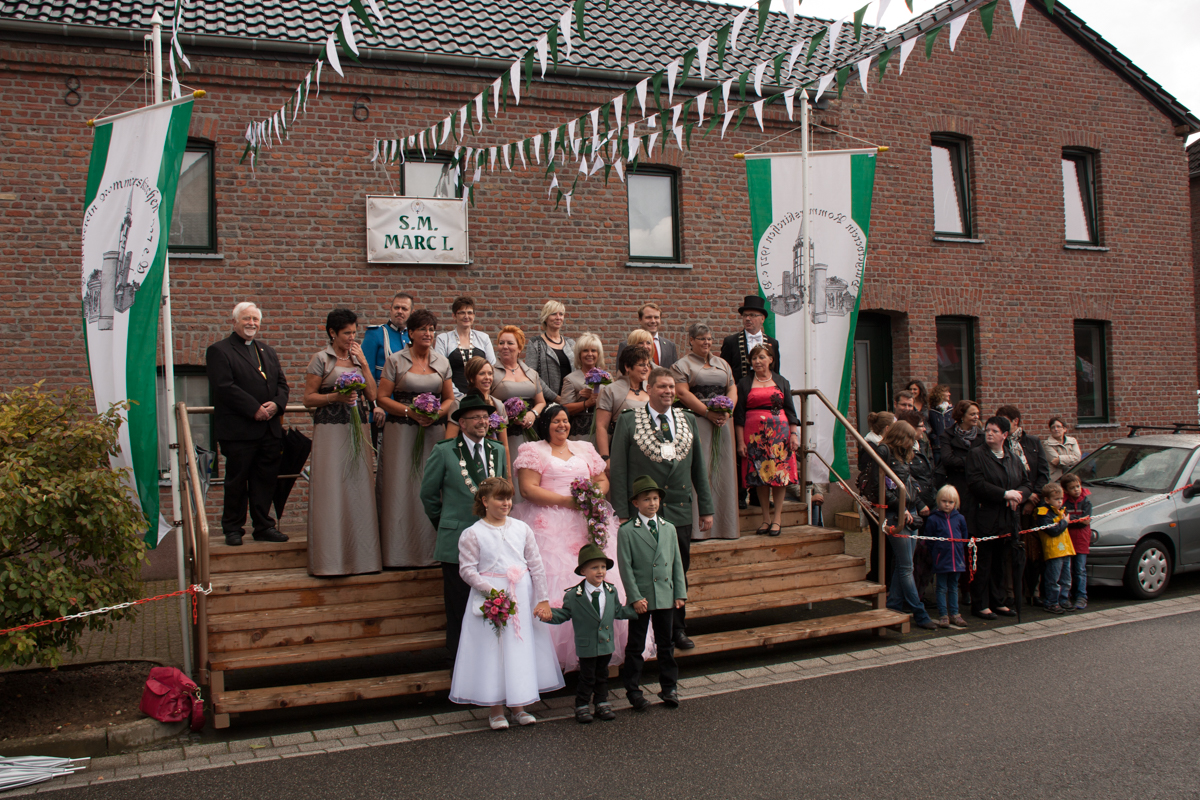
[1128,465]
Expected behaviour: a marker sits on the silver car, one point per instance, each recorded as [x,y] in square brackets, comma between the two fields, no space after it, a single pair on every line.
[1143,548]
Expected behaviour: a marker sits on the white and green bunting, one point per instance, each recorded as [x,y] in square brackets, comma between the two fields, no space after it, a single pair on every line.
[817,295]
[130,196]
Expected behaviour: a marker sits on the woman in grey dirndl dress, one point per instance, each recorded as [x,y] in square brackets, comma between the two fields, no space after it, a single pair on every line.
[515,378]
[576,396]
[406,535]
[343,530]
[701,376]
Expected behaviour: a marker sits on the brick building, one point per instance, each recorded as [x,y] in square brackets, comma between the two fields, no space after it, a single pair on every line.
[1193,153]
[1058,276]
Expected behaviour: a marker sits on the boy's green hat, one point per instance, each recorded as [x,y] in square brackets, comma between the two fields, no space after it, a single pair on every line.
[591,552]
[645,483]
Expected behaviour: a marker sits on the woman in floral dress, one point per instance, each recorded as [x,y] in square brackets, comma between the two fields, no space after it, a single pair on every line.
[768,435]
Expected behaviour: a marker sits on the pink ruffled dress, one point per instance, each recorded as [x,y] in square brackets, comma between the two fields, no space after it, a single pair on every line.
[561,532]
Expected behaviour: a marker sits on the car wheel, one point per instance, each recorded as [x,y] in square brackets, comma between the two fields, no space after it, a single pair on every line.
[1149,569]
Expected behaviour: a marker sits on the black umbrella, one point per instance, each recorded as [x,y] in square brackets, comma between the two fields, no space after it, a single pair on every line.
[296,447]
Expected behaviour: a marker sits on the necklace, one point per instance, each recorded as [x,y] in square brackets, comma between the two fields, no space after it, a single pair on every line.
[551,339]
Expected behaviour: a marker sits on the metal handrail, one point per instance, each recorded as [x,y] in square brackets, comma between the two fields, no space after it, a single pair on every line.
[885,472]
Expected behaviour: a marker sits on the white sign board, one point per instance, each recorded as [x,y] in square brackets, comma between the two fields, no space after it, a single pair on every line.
[416,230]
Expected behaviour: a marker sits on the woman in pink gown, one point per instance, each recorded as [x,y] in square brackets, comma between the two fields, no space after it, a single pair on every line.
[546,470]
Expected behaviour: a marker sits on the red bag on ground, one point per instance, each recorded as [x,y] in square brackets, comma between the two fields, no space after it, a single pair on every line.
[171,696]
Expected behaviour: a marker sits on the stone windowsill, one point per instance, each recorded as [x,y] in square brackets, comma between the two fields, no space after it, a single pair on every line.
[657,265]
[203,256]
[1091,247]
[958,240]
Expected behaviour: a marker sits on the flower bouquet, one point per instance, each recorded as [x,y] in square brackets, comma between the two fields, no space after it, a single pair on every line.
[496,424]
[497,608]
[595,509]
[423,405]
[721,405]
[348,382]
[515,407]
[595,378]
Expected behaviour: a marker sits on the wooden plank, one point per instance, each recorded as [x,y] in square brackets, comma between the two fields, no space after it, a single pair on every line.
[288,558]
[777,583]
[354,630]
[816,594]
[321,595]
[279,580]
[311,694]
[751,518]
[813,545]
[327,651]
[737,572]
[793,631]
[289,617]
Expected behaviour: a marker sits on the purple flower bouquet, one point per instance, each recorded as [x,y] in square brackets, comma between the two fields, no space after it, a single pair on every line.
[347,382]
[722,405]
[423,405]
[516,408]
[595,378]
[496,424]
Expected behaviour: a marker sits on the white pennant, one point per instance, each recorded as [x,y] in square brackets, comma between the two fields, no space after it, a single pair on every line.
[883,7]
[507,162]
[477,176]
[179,52]
[635,144]
[412,140]
[758,113]
[567,197]
[553,184]
[619,166]
[275,121]
[564,25]
[834,30]
[1018,10]
[296,105]
[571,137]
[496,97]
[672,73]
[553,139]
[583,166]
[421,143]
[675,114]
[348,32]
[479,110]
[702,56]
[956,26]
[650,144]
[445,129]
[737,28]
[537,149]
[823,84]
[618,104]
[283,118]
[725,92]
[462,122]
[595,143]
[678,131]
[514,80]
[616,147]
[701,99]
[758,76]
[641,94]
[307,87]
[375,7]
[319,62]
[375,152]
[597,165]
[789,7]
[789,98]
[470,153]
[652,121]
[332,57]
[595,115]
[542,45]
[491,158]
[725,124]
[797,48]
[906,48]
[864,69]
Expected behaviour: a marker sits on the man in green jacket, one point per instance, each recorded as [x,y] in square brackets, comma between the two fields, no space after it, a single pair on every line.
[660,441]
[453,473]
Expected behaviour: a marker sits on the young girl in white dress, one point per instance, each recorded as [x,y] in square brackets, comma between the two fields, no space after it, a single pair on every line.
[514,667]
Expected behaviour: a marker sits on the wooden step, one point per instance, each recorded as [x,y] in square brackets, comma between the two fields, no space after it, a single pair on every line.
[793,514]
[327,651]
[795,631]
[255,556]
[300,626]
[760,602]
[753,579]
[295,588]
[312,694]
[791,543]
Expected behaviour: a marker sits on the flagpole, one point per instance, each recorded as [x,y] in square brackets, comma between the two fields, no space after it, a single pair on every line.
[169,379]
[805,268]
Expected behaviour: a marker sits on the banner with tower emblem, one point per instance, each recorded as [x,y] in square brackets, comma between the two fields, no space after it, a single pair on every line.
[128,205]
[815,293]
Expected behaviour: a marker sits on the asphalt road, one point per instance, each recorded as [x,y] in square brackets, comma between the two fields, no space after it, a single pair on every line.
[1110,712]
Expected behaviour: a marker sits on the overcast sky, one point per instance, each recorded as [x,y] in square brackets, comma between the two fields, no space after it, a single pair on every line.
[1160,36]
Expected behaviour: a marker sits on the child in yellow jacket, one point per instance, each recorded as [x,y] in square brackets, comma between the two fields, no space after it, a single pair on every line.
[1056,549]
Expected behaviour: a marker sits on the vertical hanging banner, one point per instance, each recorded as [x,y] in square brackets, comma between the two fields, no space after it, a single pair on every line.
[815,295]
[130,197]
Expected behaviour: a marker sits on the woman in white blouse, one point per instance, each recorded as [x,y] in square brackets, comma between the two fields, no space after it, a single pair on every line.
[463,343]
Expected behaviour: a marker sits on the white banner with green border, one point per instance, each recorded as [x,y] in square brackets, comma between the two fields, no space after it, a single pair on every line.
[130,197]
[825,301]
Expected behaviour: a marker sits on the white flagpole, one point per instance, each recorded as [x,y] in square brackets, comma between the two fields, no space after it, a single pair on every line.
[811,301]
[169,379]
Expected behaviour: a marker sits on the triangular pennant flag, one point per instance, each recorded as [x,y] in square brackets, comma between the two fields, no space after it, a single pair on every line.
[567,197]
[521,152]
[348,31]
[930,38]
[652,121]
[1018,10]
[514,80]
[332,57]
[542,46]
[597,165]
[479,111]
[275,122]
[319,63]
[758,74]
[956,26]
[618,104]
[421,143]
[641,93]
[725,92]
[864,69]
[701,99]
[553,184]
[491,158]
[702,47]
[813,43]
[789,98]
[635,144]
[595,115]
[462,121]
[884,57]
[835,30]
[583,166]
[477,176]
[675,114]
[672,74]
[375,8]
[883,7]
[553,140]
[375,152]
[595,144]
[758,106]
[650,144]
[906,48]
[843,75]
[823,84]
[537,149]
[858,20]
[737,27]
[446,123]
[307,84]
[725,124]
[987,15]
[619,166]
[794,54]
[507,162]
[678,131]
[789,8]
[564,25]
[571,136]
[496,97]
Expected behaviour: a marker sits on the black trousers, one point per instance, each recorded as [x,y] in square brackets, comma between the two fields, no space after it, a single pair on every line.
[873,564]
[663,620]
[456,592]
[251,469]
[684,534]
[593,680]
[988,588]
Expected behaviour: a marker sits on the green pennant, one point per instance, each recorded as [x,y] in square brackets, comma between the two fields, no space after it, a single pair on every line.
[558,199]
[842,75]
[528,69]
[552,38]
[546,146]
[657,84]
[688,58]
[764,12]
[607,169]
[346,45]
[884,57]
[361,13]
[778,62]
[604,116]
[686,113]
[987,16]
[471,195]
[742,85]
[930,38]
[579,4]
[741,116]
[722,38]
[525,149]
[687,133]
[858,18]
[505,81]
[625,149]
[470,124]
[812,44]
[1050,7]
[245,153]
[909,4]
[487,117]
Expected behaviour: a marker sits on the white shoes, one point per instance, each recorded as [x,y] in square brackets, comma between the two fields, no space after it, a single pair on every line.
[524,718]
[499,723]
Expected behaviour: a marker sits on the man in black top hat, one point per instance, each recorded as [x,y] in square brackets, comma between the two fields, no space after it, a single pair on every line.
[735,349]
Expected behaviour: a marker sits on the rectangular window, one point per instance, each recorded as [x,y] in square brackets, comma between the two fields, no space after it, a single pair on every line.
[956,356]
[951,189]
[653,216]
[432,177]
[1091,371]
[191,387]
[194,220]
[1079,198]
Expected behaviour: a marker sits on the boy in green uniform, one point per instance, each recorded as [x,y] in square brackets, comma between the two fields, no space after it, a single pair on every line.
[592,606]
[652,571]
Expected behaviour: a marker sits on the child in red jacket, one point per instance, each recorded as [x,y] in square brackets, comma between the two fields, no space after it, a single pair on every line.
[1078,506]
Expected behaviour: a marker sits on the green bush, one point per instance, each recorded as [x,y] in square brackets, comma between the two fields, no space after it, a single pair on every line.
[70,532]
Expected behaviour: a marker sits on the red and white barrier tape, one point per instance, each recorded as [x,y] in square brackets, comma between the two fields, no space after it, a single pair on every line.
[193,590]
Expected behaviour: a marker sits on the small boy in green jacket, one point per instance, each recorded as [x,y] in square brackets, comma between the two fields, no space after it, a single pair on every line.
[592,606]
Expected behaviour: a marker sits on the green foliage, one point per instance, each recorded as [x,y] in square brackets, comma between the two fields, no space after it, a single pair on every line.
[70,532]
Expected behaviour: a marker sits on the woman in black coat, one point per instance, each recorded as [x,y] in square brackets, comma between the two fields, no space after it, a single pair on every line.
[956,442]
[998,484]
[767,433]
